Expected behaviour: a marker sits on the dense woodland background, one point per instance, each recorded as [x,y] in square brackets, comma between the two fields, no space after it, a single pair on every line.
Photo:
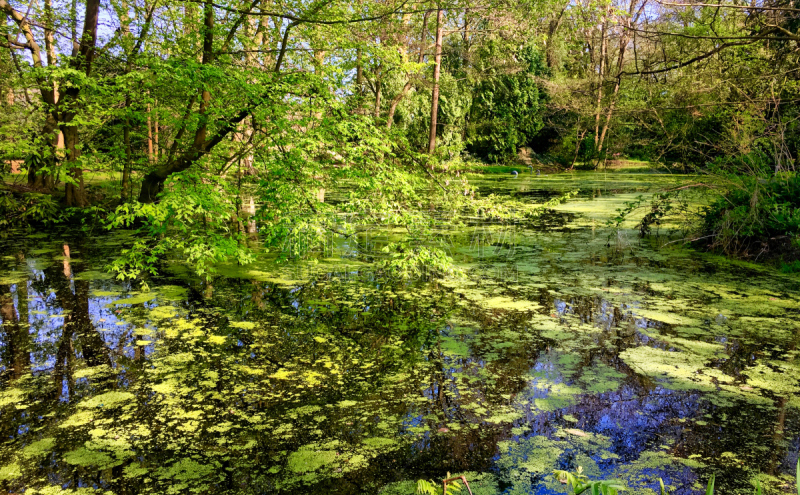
[246,112]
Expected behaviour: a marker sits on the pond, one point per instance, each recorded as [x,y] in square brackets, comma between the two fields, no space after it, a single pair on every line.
[567,343]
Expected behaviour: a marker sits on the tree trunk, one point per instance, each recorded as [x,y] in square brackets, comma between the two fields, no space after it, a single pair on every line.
[47,88]
[378,92]
[75,188]
[359,76]
[600,78]
[436,70]
[126,168]
[155,134]
[150,156]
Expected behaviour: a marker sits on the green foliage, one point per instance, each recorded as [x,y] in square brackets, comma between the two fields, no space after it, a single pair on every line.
[659,207]
[30,208]
[579,483]
[169,227]
[710,488]
[791,267]
[429,487]
[506,112]
[755,213]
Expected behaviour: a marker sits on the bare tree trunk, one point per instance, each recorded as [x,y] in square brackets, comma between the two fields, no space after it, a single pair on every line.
[579,135]
[600,80]
[378,91]
[150,156]
[359,75]
[155,134]
[436,71]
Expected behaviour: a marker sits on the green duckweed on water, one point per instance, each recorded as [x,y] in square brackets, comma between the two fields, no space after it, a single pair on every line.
[565,344]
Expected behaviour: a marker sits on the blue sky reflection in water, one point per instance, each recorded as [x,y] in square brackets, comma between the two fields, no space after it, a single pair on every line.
[566,345]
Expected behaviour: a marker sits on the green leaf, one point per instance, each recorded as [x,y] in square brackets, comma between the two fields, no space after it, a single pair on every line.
[710,489]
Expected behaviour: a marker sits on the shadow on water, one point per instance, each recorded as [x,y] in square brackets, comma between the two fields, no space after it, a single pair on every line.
[556,351]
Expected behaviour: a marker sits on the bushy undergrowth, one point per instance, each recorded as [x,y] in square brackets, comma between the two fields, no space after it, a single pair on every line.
[756,216]
[31,208]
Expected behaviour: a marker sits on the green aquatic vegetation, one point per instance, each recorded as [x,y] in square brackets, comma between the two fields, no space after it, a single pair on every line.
[90,458]
[778,378]
[670,318]
[39,448]
[678,370]
[601,378]
[93,275]
[586,441]
[454,347]
[172,292]
[14,277]
[536,455]
[10,472]
[106,293]
[308,459]
[108,399]
[134,299]
[499,302]
[638,473]
[525,464]
[162,313]
[244,325]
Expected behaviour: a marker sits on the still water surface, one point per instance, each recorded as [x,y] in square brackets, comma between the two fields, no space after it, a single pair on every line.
[567,344]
